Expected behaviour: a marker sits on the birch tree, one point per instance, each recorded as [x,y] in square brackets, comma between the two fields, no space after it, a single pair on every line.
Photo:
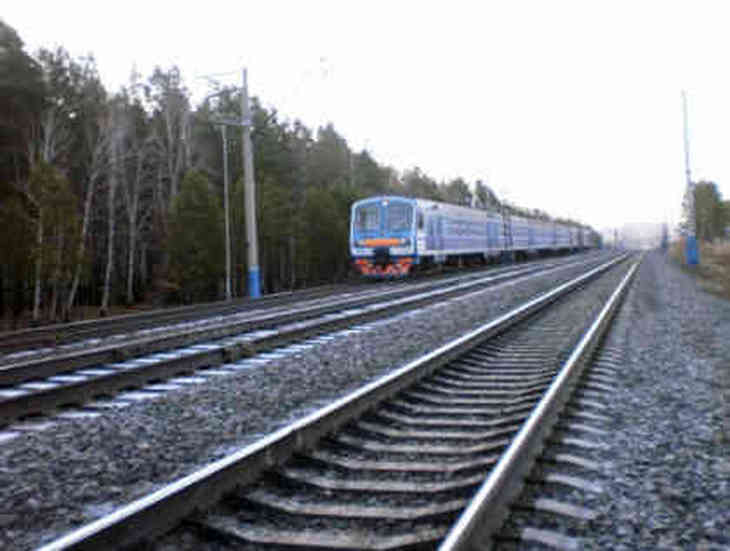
[171,123]
[48,138]
[97,136]
[136,183]
[117,128]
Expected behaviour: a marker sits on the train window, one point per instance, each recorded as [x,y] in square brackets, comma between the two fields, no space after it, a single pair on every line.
[399,217]
[366,217]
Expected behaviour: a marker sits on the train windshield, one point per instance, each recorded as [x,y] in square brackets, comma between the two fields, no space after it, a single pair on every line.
[399,217]
[367,218]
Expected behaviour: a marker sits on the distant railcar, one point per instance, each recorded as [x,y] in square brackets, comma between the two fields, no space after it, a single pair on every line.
[390,235]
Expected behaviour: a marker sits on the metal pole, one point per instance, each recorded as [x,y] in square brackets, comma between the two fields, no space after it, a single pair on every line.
[226,209]
[691,249]
[254,287]
[226,212]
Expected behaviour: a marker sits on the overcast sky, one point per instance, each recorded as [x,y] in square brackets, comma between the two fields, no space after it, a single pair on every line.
[571,107]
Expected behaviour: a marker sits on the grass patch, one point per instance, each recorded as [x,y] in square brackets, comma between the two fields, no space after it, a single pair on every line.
[713,273]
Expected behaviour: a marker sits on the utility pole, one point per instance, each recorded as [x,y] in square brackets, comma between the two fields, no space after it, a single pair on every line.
[225,209]
[691,250]
[254,287]
[223,123]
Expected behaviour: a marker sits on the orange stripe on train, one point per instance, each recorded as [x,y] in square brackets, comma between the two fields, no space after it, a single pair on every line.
[381,242]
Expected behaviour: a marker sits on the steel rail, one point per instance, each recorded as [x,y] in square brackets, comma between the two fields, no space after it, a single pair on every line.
[76,392]
[59,334]
[62,333]
[155,513]
[39,368]
[487,510]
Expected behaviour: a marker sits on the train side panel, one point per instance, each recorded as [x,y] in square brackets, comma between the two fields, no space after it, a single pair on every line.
[391,234]
[451,230]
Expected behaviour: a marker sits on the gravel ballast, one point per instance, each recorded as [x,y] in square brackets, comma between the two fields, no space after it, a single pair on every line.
[670,440]
[76,471]
[551,335]
[665,468]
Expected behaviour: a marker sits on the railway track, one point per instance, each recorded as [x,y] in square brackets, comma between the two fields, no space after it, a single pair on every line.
[396,463]
[54,336]
[195,320]
[92,374]
[562,494]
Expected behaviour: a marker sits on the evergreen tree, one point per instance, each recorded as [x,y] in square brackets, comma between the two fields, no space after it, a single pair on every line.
[196,240]
[709,213]
[418,184]
[22,97]
[457,192]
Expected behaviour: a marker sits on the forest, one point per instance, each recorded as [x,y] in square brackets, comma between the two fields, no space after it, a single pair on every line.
[114,200]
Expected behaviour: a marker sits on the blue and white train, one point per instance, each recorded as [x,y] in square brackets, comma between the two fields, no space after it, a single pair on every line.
[391,235]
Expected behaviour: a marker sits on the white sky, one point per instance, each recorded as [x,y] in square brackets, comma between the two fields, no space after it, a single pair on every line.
[572,107]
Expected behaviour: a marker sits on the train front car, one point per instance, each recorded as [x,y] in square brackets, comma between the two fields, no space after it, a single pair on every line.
[382,236]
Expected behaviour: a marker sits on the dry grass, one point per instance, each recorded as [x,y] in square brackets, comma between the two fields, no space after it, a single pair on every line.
[714,269]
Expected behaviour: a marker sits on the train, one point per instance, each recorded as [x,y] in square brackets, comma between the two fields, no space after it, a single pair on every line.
[392,236]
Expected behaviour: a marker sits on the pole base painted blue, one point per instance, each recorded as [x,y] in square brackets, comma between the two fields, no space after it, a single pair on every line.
[254,285]
[692,252]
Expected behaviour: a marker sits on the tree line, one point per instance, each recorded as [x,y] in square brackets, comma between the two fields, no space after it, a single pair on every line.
[712,213]
[111,199]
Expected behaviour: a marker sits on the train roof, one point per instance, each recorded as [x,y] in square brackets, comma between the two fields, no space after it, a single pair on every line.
[430,203]
[375,198]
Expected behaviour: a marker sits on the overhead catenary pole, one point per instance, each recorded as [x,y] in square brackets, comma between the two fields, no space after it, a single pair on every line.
[226,211]
[254,287]
[691,250]
[227,238]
